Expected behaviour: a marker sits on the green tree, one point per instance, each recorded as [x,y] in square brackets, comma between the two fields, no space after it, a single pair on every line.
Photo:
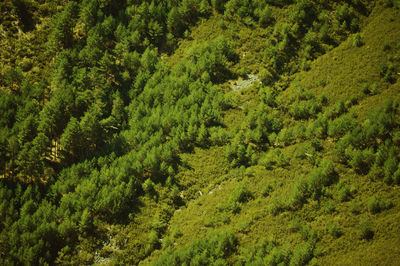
[62,27]
[71,139]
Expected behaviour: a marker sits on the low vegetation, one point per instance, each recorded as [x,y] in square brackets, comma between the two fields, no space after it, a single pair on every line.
[123,142]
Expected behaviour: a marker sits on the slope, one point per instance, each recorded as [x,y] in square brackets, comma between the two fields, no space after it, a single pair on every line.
[338,216]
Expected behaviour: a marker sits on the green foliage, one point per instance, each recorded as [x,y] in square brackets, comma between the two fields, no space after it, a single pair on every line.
[274,158]
[321,176]
[370,89]
[276,206]
[366,231]
[238,152]
[334,229]
[357,41]
[376,204]
[305,109]
[329,207]
[344,192]
[99,117]
[62,27]
[387,72]
[213,249]
[341,125]
[355,207]
[148,187]
[265,16]
[267,189]
[362,161]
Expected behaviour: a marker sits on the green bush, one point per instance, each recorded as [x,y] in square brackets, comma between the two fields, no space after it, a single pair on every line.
[286,136]
[241,194]
[302,254]
[153,242]
[396,176]
[355,207]
[299,194]
[334,229]
[305,109]
[336,110]
[329,207]
[276,206]
[265,17]
[366,231]
[344,193]
[387,72]
[306,151]
[386,46]
[357,41]
[266,252]
[213,249]
[376,173]
[376,204]
[273,158]
[320,177]
[341,125]
[390,167]
[148,187]
[362,161]
[267,189]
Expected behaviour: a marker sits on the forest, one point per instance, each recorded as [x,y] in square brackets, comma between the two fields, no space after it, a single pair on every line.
[188,132]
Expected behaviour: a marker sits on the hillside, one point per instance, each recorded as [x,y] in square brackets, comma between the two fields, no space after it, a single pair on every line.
[200,132]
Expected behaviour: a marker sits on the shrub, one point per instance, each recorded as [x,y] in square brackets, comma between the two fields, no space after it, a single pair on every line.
[355,207]
[362,161]
[299,194]
[370,89]
[390,167]
[336,110]
[321,176]
[334,229]
[329,207]
[396,176]
[266,253]
[324,100]
[386,46]
[238,152]
[212,249]
[148,187]
[388,3]
[276,206]
[241,194]
[318,128]
[375,204]
[305,150]
[316,144]
[268,95]
[153,242]
[387,72]
[267,189]
[341,125]
[344,193]
[357,42]
[366,231]
[285,136]
[273,158]
[265,17]
[305,109]
[299,131]
[302,254]
[376,172]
